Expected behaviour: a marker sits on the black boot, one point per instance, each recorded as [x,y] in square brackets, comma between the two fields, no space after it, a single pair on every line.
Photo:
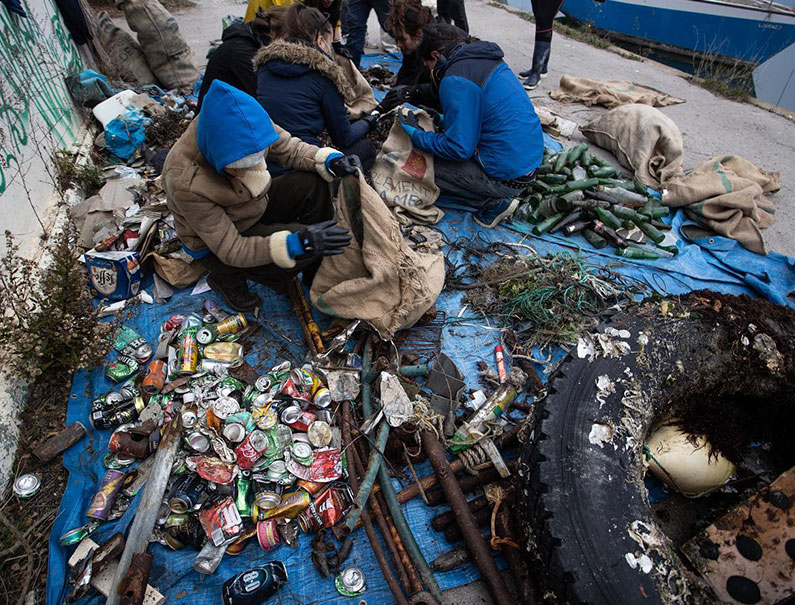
[539,69]
[234,291]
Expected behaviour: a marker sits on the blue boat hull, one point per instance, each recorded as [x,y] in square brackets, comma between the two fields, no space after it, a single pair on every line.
[705,27]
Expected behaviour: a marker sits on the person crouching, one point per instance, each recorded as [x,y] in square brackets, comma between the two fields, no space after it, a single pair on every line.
[229,211]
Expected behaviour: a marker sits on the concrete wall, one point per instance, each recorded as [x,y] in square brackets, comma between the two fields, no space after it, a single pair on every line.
[36,113]
[36,116]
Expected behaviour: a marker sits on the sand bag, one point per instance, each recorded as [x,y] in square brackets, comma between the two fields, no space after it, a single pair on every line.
[726,195]
[125,53]
[378,278]
[360,101]
[643,139]
[167,52]
[610,94]
[404,178]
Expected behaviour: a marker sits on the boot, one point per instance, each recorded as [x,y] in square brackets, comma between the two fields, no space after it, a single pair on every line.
[539,69]
[234,291]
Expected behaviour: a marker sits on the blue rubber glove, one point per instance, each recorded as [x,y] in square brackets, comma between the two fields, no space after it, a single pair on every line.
[331,157]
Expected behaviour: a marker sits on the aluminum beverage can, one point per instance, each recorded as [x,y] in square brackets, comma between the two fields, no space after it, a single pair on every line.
[209,558]
[186,493]
[155,378]
[321,397]
[231,325]
[291,505]
[263,383]
[350,582]
[242,499]
[212,309]
[143,353]
[297,418]
[302,453]
[267,493]
[250,450]
[205,335]
[189,418]
[234,432]
[188,353]
[319,433]
[103,500]
[268,534]
[27,485]
[197,441]
[224,406]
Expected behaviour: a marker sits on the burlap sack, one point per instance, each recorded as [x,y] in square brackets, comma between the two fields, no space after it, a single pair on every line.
[643,139]
[404,176]
[378,278]
[610,94]
[125,54]
[361,102]
[167,52]
[726,195]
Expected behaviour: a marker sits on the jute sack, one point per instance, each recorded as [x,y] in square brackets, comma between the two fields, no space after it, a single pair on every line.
[726,195]
[378,278]
[404,178]
[167,52]
[643,139]
[125,53]
[360,101]
[611,93]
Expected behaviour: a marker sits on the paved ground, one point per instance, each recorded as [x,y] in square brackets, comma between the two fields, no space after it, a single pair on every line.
[710,125]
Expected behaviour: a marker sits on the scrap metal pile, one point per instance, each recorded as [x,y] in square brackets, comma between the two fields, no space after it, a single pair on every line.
[579,193]
[224,458]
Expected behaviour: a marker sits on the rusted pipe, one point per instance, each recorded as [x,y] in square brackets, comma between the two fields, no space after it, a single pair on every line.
[406,573]
[482,517]
[468,484]
[312,332]
[478,549]
[519,571]
[413,490]
[375,545]
[134,589]
[443,520]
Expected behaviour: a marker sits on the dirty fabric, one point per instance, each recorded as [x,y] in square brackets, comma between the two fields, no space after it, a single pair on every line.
[727,195]
[378,278]
[360,100]
[611,93]
[404,176]
[643,139]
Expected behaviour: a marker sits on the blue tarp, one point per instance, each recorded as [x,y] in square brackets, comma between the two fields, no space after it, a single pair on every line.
[714,263]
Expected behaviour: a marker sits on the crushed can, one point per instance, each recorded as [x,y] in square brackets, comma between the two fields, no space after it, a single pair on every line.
[155,378]
[254,586]
[268,534]
[251,449]
[103,500]
[231,325]
[185,493]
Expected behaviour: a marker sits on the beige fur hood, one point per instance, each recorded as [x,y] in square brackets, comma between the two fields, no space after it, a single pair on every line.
[303,54]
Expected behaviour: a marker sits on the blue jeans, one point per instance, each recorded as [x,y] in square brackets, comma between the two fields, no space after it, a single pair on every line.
[466,181]
[354,18]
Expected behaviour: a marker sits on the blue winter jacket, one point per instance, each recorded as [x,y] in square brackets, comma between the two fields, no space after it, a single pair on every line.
[487,114]
[302,90]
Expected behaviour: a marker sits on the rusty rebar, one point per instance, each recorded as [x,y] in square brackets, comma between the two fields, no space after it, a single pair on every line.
[443,520]
[468,484]
[312,332]
[375,545]
[480,551]
[521,575]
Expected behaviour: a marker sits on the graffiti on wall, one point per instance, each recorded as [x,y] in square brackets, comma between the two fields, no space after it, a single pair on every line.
[36,53]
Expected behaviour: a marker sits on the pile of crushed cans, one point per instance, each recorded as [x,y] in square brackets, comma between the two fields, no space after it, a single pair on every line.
[257,462]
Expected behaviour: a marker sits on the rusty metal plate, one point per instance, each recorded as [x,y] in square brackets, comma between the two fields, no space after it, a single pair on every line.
[748,555]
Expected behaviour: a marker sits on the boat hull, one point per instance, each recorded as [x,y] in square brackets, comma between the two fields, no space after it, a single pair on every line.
[700,26]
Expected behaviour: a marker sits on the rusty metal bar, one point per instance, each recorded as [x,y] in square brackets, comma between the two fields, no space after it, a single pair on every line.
[521,575]
[443,520]
[137,579]
[378,552]
[480,551]
[468,484]
[146,515]
[312,331]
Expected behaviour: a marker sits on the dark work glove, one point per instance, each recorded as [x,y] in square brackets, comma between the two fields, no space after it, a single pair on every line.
[342,165]
[397,95]
[338,48]
[438,119]
[371,119]
[324,239]
[409,122]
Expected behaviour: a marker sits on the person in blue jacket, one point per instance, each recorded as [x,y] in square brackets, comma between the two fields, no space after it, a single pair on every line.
[304,90]
[492,143]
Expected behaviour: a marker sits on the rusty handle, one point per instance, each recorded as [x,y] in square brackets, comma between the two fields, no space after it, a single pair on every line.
[480,551]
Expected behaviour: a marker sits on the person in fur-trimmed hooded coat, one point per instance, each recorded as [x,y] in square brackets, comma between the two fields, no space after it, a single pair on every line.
[304,90]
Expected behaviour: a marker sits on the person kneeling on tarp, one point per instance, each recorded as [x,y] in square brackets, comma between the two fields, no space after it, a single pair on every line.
[227,209]
[492,142]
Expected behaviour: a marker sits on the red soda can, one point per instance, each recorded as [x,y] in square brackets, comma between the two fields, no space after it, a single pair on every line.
[155,378]
[268,534]
[297,418]
[103,500]
[251,449]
